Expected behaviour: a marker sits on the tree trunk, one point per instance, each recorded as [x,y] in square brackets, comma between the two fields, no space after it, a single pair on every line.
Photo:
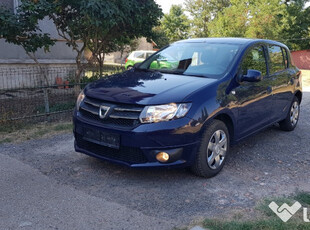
[42,72]
[78,72]
[101,65]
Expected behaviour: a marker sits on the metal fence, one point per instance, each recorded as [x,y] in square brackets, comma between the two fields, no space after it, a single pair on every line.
[31,93]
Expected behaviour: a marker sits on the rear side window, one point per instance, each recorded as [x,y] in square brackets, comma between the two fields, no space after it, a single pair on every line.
[254,59]
[286,57]
[276,61]
[139,55]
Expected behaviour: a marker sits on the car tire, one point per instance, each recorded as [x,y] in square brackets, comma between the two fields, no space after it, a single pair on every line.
[213,150]
[291,120]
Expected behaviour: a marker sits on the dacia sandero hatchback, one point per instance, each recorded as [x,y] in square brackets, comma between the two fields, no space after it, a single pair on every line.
[217,92]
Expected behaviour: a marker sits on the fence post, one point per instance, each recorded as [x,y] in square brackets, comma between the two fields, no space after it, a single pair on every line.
[46,103]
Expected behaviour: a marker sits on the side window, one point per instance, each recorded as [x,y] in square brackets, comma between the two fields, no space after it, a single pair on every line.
[254,59]
[286,57]
[276,61]
[139,55]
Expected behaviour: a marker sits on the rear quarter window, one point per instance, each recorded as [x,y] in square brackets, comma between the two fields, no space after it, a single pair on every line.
[276,59]
[139,55]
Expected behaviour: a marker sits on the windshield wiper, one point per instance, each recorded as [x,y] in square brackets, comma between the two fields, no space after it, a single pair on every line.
[197,75]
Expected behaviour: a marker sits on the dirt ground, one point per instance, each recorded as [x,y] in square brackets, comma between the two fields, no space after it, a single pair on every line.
[71,190]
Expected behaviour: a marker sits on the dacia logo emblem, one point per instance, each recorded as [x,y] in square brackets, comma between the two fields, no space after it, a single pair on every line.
[103,111]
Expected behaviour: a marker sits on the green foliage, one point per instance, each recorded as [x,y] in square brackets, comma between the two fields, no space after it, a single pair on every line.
[287,21]
[296,32]
[175,25]
[160,37]
[102,26]
[202,13]
[22,29]
[253,19]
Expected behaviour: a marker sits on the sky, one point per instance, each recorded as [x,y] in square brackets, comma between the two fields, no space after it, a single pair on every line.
[166,4]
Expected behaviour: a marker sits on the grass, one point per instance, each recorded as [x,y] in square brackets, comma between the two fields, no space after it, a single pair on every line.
[5,140]
[266,219]
[266,224]
[303,198]
[22,132]
[63,127]
[56,108]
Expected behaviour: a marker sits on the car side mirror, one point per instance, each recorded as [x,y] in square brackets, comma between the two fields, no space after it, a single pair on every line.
[252,76]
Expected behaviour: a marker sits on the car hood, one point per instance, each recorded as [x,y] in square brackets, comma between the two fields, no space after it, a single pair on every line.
[145,88]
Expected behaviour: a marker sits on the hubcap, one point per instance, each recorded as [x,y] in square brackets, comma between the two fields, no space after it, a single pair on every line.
[294,113]
[217,149]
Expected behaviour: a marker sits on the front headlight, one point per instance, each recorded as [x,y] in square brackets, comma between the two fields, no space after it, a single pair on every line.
[166,112]
[79,100]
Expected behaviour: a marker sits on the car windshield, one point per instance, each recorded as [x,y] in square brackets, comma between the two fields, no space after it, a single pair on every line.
[194,59]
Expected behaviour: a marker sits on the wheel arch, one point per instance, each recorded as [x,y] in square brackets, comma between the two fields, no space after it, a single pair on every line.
[298,94]
[228,121]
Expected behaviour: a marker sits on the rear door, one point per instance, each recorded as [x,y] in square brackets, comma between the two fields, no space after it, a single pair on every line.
[254,99]
[281,79]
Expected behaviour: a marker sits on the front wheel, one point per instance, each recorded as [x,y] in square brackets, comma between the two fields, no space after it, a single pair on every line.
[213,150]
[291,120]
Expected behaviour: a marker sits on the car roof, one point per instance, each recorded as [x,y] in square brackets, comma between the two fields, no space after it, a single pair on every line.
[239,41]
[149,51]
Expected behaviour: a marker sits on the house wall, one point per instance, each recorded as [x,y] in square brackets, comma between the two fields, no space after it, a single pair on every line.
[60,53]
[301,59]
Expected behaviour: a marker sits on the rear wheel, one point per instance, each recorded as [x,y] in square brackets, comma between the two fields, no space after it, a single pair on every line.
[291,120]
[213,150]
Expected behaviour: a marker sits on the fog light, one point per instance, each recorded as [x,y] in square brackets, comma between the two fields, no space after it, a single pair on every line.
[162,157]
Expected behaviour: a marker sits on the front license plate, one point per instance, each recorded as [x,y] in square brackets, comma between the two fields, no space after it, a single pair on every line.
[111,140]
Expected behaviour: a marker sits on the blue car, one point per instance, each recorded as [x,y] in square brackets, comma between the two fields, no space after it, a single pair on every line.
[220,90]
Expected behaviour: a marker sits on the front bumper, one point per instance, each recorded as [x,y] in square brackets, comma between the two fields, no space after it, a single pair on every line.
[139,147]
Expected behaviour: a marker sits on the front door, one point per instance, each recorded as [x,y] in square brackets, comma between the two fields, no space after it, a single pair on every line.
[254,99]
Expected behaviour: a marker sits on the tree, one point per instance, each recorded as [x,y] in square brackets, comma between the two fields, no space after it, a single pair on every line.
[175,24]
[231,22]
[102,26]
[248,18]
[159,37]
[22,29]
[286,21]
[202,13]
[296,32]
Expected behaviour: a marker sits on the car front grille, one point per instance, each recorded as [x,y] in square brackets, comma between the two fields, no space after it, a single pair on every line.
[126,154]
[120,116]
